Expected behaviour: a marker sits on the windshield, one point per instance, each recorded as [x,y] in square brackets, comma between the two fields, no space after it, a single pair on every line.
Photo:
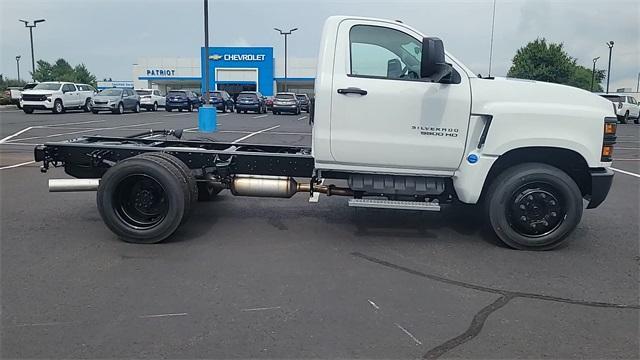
[143,92]
[47,86]
[111,92]
[285,97]
[613,98]
[29,86]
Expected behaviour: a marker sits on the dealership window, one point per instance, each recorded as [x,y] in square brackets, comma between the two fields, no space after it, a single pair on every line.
[384,53]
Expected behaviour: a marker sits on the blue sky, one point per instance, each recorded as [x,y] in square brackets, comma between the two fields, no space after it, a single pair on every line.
[109,35]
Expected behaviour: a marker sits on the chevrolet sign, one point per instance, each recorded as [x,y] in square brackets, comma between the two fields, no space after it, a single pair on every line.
[238,57]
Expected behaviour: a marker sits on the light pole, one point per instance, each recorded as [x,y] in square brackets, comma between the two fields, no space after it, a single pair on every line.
[206,113]
[638,85]
[285,33]
[26,24]
[493,25]
[593,72]
[18,66]
[610,45]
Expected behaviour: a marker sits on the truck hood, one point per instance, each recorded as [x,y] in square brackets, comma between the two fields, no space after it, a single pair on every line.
[536,97]
[39,92]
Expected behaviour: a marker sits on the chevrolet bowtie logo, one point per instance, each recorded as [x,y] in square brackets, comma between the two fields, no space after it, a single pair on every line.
[215,57]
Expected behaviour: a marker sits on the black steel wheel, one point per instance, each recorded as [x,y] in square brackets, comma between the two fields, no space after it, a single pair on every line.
[533,206]
[143,199]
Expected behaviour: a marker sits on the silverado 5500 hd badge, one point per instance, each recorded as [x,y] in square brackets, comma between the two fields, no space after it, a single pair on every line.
[436,131]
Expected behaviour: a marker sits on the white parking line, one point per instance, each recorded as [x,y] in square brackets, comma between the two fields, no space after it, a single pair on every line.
[626,172]
[260,116]
[85,131]
[74,123]
[179,114]
[254,133]
[302,118]
[19,144]
[17,165]
[15,134]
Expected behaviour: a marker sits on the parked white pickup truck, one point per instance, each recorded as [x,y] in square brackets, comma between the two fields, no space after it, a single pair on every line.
[57,97]
[402,123]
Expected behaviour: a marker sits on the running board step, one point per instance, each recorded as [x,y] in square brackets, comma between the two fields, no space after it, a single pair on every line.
[393,204]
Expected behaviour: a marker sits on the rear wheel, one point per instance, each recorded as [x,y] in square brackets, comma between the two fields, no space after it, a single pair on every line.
[155,106]
[143,199]
[533,206]
[87,105]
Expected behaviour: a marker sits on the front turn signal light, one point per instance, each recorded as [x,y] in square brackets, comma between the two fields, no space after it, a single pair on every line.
[607,152]
[610,128]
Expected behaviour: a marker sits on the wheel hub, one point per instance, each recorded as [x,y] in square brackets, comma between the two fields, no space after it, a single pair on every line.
[536,212]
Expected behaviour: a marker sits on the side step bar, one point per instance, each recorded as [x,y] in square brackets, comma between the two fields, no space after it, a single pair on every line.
[392,204]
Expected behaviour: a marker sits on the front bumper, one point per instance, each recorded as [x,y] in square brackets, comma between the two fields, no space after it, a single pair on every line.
[103,107]
[601,180]
[42,105]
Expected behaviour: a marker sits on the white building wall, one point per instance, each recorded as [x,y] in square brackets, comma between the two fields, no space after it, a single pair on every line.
[179,67]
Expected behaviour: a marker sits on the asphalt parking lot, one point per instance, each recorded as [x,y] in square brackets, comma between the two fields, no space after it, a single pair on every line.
[274,278]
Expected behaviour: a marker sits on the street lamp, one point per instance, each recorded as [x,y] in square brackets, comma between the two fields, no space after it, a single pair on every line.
[610,45]
[26,24]
[638,85]
[18,66]
[593,72]
[285,33]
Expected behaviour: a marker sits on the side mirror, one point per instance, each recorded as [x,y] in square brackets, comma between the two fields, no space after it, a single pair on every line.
[432,63]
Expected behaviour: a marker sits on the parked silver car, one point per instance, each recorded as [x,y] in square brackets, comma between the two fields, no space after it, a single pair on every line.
[116,100]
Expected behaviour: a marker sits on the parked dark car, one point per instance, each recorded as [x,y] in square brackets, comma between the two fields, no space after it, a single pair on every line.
[222,101]
[182,100]
[269,102]
[286,102]
[250,101]
[304,101]
[116,100]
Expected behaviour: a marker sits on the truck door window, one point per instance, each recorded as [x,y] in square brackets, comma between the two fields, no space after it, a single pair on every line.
[383,53]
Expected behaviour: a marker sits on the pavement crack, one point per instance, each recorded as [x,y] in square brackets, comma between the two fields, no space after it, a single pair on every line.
[506,293]
[472,331]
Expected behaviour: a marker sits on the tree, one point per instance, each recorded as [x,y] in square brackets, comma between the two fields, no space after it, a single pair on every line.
[61,70]
[549,62]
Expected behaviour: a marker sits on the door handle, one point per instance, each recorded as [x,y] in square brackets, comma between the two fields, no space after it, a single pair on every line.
[352,90]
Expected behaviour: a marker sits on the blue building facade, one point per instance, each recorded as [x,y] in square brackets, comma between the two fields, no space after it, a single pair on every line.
[236,69]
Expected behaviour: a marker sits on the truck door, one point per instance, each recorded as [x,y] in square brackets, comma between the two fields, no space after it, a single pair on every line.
[70,95]
[382,113]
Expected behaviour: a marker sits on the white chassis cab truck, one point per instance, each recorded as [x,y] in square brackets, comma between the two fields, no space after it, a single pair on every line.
[399,123]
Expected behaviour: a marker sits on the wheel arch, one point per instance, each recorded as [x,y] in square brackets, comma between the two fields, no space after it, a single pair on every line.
[569,161]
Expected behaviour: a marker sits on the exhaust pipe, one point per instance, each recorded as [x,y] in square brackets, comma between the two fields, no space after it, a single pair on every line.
[71,185]
[279,187]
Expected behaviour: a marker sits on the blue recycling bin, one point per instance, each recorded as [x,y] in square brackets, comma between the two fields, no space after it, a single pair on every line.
[207,119]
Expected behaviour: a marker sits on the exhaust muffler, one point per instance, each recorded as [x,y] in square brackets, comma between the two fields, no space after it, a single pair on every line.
[279,187]
[71,185]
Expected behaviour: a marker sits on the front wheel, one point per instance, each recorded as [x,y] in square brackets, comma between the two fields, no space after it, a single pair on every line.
[533,206]
[136,109]
[155,106]
[58,107]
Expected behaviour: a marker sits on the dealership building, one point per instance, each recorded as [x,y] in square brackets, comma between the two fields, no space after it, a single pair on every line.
[233,69]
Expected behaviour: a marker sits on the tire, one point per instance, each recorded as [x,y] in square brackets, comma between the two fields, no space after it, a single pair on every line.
[622,120]
[190,109]
[27,111]
[237,111]
[533,206]
[637,120]
[155,106]
[160,193]
[625,120]
[168,109]
[120,109]
[58,107]
[224,108]
[207,192]
[94,111]
[136,109]
[87,105]
[186,174]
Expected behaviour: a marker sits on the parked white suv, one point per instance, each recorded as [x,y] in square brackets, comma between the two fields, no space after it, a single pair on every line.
[57,97]
[627,107]
[151,99]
